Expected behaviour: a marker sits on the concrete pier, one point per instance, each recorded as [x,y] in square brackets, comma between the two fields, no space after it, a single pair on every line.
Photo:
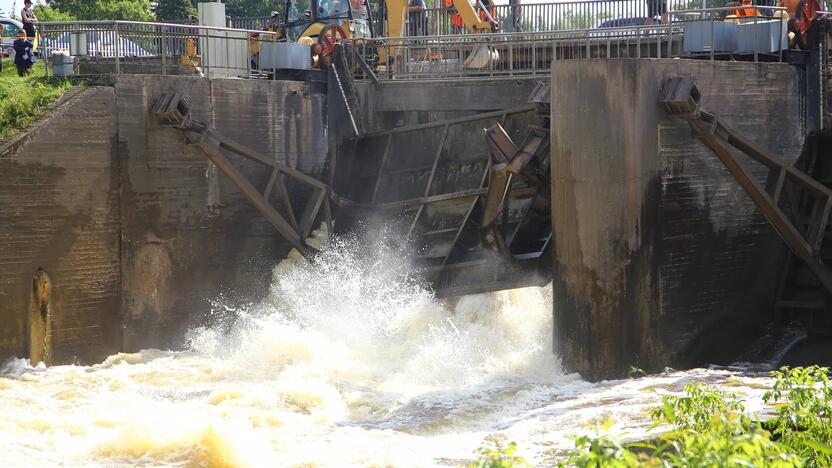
[660,258]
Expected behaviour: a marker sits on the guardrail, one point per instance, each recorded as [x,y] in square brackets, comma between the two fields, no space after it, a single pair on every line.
[513,54]
[540,17]
[704,33]
[163,48]
[101,47]
[565,16]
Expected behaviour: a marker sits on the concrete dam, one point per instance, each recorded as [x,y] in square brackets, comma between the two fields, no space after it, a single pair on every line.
[654,245]
[353,253]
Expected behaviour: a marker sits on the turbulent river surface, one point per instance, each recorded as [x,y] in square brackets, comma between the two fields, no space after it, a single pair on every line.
[348,361]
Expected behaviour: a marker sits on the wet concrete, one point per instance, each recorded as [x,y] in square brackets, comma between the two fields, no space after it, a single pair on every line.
[660,258]
[137,231]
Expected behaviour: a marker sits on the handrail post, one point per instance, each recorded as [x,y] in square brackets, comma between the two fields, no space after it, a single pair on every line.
[206,59]
[756,13]
[164,54]
[274,56]
[118,49]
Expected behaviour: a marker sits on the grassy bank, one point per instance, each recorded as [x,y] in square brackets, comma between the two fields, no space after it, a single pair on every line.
[24,100]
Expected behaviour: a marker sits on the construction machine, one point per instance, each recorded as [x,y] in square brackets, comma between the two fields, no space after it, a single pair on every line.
[325,23]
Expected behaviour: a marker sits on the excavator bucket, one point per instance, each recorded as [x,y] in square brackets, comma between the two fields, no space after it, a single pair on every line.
[481,58]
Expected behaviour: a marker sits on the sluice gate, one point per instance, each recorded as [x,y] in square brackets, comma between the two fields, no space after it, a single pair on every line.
[473,205]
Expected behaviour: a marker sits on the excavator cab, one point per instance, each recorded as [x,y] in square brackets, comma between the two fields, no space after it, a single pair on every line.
[308,18]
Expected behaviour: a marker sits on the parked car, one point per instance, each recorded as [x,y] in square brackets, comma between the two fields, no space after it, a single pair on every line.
[8,32]
[622,22]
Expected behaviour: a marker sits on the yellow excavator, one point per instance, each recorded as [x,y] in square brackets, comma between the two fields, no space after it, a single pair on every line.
[324,23]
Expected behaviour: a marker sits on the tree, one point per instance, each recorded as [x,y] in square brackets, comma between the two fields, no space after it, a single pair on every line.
[238,8]
[130,10]
[45,13]
[173,10]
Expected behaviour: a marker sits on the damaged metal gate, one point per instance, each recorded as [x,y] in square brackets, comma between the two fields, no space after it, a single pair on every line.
[473,205]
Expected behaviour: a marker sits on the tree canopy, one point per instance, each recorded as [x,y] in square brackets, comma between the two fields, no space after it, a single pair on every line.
[131,10]
[174,10]
[144,10]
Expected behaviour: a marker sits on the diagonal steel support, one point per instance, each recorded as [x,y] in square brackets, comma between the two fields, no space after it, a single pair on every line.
[174,110]
[681,98]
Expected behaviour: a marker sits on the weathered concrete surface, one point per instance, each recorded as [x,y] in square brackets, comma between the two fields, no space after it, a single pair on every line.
[393,104]
[188,233]
[59,210]
[660,257]
[137,231]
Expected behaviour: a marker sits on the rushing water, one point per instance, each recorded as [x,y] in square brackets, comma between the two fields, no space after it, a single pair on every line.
[349,361]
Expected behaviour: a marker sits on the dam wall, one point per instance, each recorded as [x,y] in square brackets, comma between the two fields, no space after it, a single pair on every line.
[392,104]
[137,231]
[660,257]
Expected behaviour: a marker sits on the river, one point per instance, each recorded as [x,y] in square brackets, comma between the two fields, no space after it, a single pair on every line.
[349,361]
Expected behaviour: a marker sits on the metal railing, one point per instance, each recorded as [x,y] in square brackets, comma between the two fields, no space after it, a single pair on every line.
[540,17]
[513,54]
[252,22]
[564,16]
[692,33]
[156,48]
[163,48]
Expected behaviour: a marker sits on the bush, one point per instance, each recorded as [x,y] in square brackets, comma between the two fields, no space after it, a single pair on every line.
[803,399]
[497,455]
[709,428]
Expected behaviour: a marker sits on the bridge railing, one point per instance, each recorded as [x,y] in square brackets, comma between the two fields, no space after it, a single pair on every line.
[702,33]
[102,47]
[539,17]
[562,16]
[511,54]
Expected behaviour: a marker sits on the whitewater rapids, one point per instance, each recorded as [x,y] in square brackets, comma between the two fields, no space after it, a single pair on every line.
[348,362]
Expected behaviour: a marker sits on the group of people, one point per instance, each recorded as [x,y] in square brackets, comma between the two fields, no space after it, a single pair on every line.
[26,42]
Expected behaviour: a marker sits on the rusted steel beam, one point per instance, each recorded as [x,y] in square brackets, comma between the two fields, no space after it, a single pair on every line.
[174,109]
[799,245]
[210,147]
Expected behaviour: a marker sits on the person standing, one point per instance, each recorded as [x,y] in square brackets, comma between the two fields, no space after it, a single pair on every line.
[453,17]
[417,16]
[656,8]
[27,15]
[23,58]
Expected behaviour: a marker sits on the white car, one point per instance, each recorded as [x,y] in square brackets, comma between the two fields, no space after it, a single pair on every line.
[8,33]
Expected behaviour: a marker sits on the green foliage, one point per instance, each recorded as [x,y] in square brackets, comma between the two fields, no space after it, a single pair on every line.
[603,451]
[708,428]
[498,455]
[173,10]
[130,10]
[24,100]
[696,410]
[803,398]
[238,8]
[45,13]
[728,440]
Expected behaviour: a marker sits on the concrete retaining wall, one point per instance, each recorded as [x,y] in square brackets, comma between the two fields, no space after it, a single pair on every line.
[59,209]
[660,257]
[138,232]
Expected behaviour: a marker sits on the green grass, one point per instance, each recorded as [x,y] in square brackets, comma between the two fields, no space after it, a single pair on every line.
[23,101]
